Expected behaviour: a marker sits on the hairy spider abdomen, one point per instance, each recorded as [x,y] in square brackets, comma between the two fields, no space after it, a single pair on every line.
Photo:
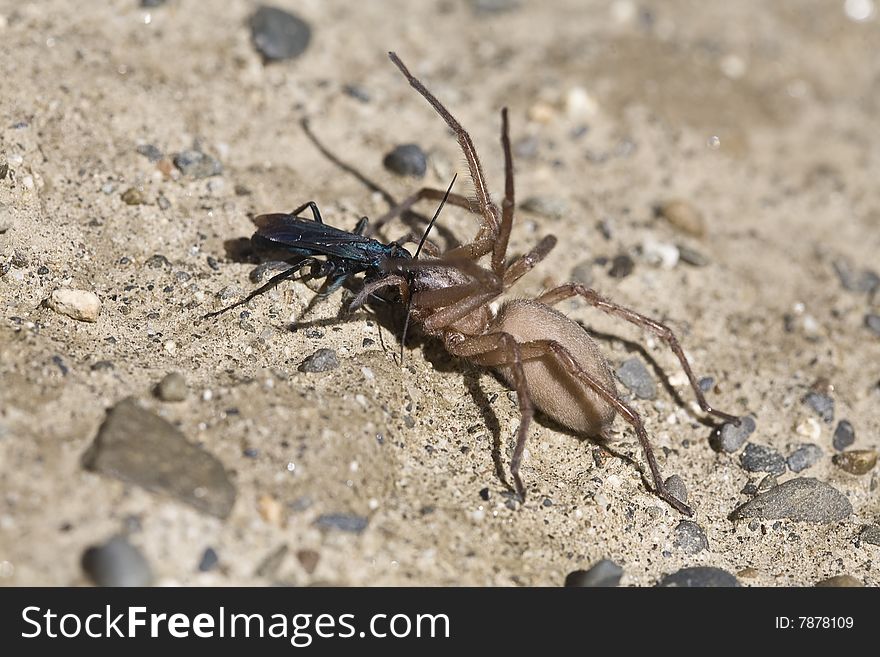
[552,387]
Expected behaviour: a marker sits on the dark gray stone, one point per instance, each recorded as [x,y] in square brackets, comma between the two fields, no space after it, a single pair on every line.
[407,160]
[761,458]
[700,576]
[604,573]
[690,537]
[346,522]
[494,6]
[196,164]
[870,534]
[803,499]
[844,436]
[278,34]
[691,256]
[117,563]
[729,437]
[322,360]
[149,151]
[621,266]
[675,486]
[634,375]
[803,457]
[139,447]
[209,560]
[856,280]
[822,404]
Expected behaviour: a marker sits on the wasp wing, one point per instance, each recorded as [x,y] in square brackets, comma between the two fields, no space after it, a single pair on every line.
[305,237]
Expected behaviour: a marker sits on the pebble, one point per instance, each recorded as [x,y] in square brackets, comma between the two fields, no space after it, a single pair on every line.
[133,196]
[691,256]
[271,564]
[690,537]
[844,435]
[308,559]
[761,458]
[700,576]
[148,4]
[551,207]
[407,160]
[346,522]
[862,280]
[822,404]
[151,152]
[683,215]
[634,375]
[603,573]
[82,305]
[675,486]
[870,534]
[856,461]
[172,387]
[196,164]
[621,266]
[322,360]
[803,457]
[803,499]
[494,6]
[872,321]
[841,581]
[157,261]
[484,494]
[580,104]
[117,563]
[660,254]
[209,560]
[809,428]
[279,35]
[139,447]
[583,273]
[270,510]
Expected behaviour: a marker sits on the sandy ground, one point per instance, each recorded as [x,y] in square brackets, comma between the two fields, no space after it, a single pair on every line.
[763,116]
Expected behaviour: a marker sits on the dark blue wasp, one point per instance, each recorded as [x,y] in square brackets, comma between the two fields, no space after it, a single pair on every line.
[344,253]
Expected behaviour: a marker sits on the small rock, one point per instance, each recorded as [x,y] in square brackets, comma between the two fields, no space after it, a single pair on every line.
[809,428]
[346,522]
[804,457]
[583,273]
[150,152]
[675,487]
[580,104]
[357,92]
[729,437]
[551,207]
[683,215]
[804,499]
[494,6]
[699,576]
[484,494]
[271,564]
[139,447]
[209,560]
[634,375]
[157,261]
[870,534]
[308,559]
[822,404]
[322,360]
[872,321]
[690,537]
[172,387]
[844,436]
[407,160]
[856,461]
[621,266]
[117,563]
[691,256]
[768,482]
[841,581]
[660,254]
[604,573]
[133,196]
[862,280]
[197,164]
[270,510]
[149,4]
[761,458]
[82,305]
[279,35]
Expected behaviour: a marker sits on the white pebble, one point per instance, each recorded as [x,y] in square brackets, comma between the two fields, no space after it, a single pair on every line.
[809,428]
[171,347]
[579,104]
[659,253]
[77,304]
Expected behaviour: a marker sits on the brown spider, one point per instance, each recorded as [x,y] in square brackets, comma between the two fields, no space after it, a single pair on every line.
[550,360]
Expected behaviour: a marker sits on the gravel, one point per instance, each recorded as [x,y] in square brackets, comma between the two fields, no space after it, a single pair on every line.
[139,447]
[690,537]
[700,576]
[872,321]
[761,458]
[323,360]
[635,376]
[278,35]
[822,404]
[172,387]
[133,196]
[209,560]
[346,522]
[117,563]
[551,207]
[841,581]
[82,305]
[729,437]
[844,435]
[407,160]
[856,280]
[604,573]
[683,216]
[870,534]
[676,487]
[621,266]
[804,457]
[196,164]
[856,461]
[803,499]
